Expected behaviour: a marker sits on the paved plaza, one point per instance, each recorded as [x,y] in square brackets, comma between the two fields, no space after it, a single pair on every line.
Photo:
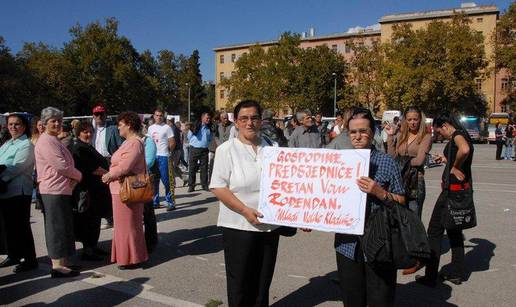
[187,269]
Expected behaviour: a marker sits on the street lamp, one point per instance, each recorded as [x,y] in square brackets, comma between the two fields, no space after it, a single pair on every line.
[334,94]
[187,84]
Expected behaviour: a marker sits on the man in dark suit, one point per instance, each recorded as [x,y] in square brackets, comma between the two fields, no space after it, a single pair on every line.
[106,140]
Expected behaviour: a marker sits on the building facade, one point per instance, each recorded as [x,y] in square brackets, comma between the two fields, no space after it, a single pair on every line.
[483,19]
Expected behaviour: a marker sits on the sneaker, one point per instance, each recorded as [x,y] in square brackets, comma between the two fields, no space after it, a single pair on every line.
[106,226]
[457,280]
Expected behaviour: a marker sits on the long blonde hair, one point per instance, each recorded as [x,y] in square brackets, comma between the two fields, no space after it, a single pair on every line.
[404,129]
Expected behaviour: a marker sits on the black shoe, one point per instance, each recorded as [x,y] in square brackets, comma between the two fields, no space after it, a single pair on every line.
[206,188]
[172,208]
[128,267]
[457,280]
[191,189]
[426,281]
[9,262]
[74,267]
[91,257]
[59,274]
[26,266]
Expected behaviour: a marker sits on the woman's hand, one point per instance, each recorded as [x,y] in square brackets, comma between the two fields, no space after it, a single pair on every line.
[439,159]
[389,129]
[369,186]
[251,215]
[100,172]
[458,173]
[107,178]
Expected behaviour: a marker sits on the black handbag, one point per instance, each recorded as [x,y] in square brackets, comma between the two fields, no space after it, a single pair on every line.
[460,207]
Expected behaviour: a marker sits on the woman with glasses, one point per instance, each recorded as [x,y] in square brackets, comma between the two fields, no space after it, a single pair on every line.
[250,247]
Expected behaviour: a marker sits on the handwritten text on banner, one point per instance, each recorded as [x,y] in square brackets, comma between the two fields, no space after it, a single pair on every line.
[314,188]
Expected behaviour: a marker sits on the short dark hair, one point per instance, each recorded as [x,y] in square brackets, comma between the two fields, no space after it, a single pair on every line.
[131,119]
[83,126]
[25,122]
[248,104]
[363,113]
[159,109]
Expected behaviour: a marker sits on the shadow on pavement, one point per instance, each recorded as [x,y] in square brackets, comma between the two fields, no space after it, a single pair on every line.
[477,259]
[319,290]
[100,295]
[178,213]
[197,202]
[413,294]
[202,241]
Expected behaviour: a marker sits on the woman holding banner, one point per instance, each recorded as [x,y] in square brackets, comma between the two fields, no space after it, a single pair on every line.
[250,248]
[362,283]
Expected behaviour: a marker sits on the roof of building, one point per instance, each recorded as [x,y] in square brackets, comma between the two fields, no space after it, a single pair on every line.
[365,32]
[468,10]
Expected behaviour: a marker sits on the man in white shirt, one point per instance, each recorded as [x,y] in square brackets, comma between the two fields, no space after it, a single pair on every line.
[163,136]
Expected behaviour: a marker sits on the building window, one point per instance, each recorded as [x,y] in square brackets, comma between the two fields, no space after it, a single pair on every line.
[221,59]
[348,48]
[479,84]
[233,58]
[221,75]
[505,84]
[480,19]
[221,94]
[504,108]
[334,48]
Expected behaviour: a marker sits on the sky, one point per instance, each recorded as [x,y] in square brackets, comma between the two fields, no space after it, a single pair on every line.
[183,26]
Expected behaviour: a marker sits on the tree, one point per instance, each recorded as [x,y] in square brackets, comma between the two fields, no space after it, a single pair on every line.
[287,76]
[504,40]
[105,69]
[11,87]
[366,77]
[435,68]
[190,73]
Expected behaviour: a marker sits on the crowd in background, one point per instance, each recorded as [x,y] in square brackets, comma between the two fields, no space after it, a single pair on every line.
[73,172]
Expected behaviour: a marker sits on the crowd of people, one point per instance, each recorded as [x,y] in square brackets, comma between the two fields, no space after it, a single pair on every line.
[75,172]
[505,138]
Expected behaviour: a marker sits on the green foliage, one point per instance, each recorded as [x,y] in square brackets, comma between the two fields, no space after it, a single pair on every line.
[505,49]
[287,76]
[435,68]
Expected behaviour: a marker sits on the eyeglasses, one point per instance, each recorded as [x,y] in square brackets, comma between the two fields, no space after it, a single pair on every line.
[245,119]
[356,132]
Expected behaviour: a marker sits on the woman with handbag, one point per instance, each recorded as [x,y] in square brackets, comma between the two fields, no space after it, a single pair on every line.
[412,143]
[91,195]
[128,247]
[456,182]
[17,160]
[250,247]
[57,178]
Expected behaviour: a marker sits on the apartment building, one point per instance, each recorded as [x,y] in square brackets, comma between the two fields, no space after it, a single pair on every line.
[483,19]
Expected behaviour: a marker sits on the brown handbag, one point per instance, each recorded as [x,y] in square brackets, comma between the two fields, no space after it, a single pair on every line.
[136,188]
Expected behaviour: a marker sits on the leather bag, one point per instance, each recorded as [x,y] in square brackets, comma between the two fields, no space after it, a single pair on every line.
[136,188]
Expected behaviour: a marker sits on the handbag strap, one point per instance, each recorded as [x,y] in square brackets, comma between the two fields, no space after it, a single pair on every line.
[448,167]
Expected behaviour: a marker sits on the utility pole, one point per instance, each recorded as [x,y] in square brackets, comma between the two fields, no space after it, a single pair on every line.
[334,94]
[187,84]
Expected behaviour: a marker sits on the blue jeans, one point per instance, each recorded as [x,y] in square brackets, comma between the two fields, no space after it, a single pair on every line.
[163,172]
[508,148]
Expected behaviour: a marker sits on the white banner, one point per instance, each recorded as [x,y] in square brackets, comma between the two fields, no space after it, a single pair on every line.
[314,188]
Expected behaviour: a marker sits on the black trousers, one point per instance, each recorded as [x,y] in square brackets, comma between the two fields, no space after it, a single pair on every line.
[435,235]
[87,228]
[201,155]
[499,147]
[250,259]
[16,214]
[364,285]
[150,224]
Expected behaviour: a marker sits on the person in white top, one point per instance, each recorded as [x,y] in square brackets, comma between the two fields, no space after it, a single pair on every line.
[163,136]
[250,247]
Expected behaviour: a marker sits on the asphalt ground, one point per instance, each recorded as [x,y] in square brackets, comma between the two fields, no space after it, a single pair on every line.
[187,269]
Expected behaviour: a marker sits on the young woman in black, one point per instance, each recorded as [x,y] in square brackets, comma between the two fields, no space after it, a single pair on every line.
[458,166]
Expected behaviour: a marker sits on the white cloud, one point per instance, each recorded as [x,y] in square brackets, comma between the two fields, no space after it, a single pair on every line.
[359,28]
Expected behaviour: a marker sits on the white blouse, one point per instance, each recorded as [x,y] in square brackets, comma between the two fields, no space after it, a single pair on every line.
[239,168]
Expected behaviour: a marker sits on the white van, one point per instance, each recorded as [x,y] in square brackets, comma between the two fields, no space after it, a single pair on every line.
[389,115]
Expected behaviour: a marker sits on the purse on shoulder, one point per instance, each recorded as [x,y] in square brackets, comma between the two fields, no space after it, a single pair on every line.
[460,207]
[136,188]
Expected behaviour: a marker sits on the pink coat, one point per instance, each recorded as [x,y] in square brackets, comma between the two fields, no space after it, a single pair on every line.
[55,167]
[129,159]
